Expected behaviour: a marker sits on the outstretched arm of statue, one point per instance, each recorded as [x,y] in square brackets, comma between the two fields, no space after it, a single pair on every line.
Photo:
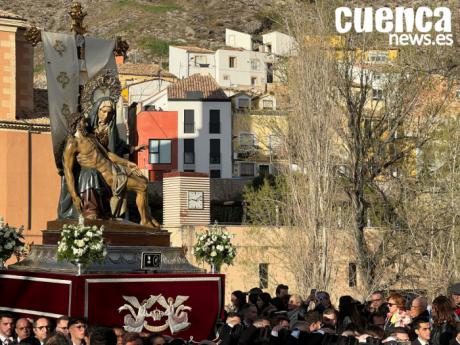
[69,154]
[133,169]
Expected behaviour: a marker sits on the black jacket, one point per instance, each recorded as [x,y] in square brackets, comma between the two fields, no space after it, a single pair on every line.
[443,334]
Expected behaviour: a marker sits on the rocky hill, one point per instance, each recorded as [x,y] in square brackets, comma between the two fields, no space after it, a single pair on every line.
[150,26]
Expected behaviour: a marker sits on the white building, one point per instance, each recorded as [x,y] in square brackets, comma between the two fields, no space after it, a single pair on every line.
[204,124]
[142,90]
[185,61]
[278,43]
[238,64]
[238,39]
[240,67]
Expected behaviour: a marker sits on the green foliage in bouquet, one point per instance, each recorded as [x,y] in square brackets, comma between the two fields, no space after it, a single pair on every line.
[11,241]
[81,244]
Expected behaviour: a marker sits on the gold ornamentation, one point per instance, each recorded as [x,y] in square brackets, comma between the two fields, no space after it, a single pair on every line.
[104,84]
[33,35]
[77,14]
[63,79]
[59,47]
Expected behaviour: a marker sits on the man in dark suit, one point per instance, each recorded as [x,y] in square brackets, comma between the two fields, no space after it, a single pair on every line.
[423,332]
[282,296]
[41,328]
[23,329]
[6,329]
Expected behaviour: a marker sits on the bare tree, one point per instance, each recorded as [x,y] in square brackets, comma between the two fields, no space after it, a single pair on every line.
[360,112]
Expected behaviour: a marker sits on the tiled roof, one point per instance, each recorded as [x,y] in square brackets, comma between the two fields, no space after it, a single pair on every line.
[197,83]
[5,14]
[191,49]
[149,70]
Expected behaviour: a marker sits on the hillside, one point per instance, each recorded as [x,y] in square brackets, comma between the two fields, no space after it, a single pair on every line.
[150,26]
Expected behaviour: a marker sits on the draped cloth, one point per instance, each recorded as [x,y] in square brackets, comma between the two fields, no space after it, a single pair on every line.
[99,56]
[62,74]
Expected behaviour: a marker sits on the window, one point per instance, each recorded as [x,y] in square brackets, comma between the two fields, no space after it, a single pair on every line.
[226,77]
[378,57]
[264,170]
[377,94]
[201,61]
[214,151]
[255,63]
[243,103]
[267,104]
[269,73]
[189,121]
[232,62]
[214,121]
[457,94]
[253,81]
[247,169]
[247,139]
[214,173]
[352,274]
[189,151]
[263,276]
[159,151]
[269,47]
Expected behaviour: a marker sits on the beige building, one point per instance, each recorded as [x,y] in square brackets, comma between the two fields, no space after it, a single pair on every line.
[264,260]
[29,183]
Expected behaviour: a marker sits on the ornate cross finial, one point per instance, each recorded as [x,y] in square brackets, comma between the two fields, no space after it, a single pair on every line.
[33,35]
[77,14]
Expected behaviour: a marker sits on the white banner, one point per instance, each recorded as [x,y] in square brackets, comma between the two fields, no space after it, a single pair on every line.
[62,74]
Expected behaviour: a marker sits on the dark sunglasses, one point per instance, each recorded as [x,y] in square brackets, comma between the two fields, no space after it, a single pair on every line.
[41,328]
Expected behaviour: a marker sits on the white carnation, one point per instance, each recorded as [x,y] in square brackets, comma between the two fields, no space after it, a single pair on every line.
[80,243]
[213,253]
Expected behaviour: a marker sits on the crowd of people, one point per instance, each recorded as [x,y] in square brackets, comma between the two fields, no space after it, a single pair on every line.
[258,318]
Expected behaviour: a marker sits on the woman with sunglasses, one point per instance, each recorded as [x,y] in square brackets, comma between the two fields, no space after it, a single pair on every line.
[397,316]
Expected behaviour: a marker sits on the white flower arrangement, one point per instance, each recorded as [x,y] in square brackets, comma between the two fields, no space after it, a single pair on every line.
[11,242]
[214,247]
[81,244]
